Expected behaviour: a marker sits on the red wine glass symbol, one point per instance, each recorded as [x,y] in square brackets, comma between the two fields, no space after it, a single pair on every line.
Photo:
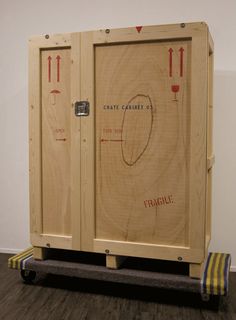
[175,89]
[54,93]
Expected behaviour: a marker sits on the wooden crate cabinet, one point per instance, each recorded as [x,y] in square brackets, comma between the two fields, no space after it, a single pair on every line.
[133,178]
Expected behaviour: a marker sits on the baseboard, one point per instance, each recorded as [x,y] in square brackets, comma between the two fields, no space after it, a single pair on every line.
[233,269]
[10,251]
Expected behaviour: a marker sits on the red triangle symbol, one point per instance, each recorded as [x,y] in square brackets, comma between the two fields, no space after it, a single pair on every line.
[139,28]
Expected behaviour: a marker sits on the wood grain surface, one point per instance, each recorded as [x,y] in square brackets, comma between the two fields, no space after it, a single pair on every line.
[130,178]
[142,142]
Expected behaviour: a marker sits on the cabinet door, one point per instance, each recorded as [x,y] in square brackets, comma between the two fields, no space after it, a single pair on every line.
[54,84]
[143,147]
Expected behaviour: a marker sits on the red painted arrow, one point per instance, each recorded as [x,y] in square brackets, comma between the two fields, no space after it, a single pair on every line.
[139,28]
[49,68]
[58,68]
[170,61]
[63,139]
[181,50]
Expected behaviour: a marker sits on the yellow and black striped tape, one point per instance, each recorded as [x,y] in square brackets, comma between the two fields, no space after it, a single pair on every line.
[216,274]
[18,261]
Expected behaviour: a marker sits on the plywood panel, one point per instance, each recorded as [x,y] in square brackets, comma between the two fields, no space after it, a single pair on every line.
[142,100]
[56,137]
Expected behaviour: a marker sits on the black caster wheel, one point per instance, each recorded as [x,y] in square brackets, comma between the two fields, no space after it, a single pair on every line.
[28,275]
[205,297]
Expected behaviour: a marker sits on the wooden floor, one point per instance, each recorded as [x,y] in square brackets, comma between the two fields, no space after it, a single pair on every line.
[61,298]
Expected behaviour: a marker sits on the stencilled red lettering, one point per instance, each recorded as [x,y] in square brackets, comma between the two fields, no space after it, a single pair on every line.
[160,201]
[112,130]
[59,130]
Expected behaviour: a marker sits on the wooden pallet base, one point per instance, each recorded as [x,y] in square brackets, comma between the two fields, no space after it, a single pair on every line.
[115,262]
[196,270]
[138,271]
[40,253]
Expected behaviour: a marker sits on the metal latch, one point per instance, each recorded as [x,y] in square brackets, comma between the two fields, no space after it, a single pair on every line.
[81,108]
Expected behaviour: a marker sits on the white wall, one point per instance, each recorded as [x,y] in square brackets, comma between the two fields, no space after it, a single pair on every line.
[21,19]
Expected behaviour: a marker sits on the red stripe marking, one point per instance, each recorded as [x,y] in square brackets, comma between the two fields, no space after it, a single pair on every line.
[181,50]
[170,62]
[49,68]
[58,68]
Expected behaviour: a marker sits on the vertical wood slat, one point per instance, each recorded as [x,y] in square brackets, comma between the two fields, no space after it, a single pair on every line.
[35,191]
[210,139]
[75,141]
[198,152]
[87,144]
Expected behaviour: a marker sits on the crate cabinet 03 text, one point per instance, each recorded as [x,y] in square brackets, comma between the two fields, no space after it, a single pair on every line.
[121,142]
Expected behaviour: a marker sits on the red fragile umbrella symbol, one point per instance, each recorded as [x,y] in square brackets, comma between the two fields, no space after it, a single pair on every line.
[54,93]
[175,89]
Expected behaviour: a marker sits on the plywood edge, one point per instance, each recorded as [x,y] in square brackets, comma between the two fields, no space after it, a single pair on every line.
[144,250]
[211,44]
[210,162]
[207,242]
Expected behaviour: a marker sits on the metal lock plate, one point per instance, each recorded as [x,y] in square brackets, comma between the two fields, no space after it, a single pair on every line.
[81,108]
